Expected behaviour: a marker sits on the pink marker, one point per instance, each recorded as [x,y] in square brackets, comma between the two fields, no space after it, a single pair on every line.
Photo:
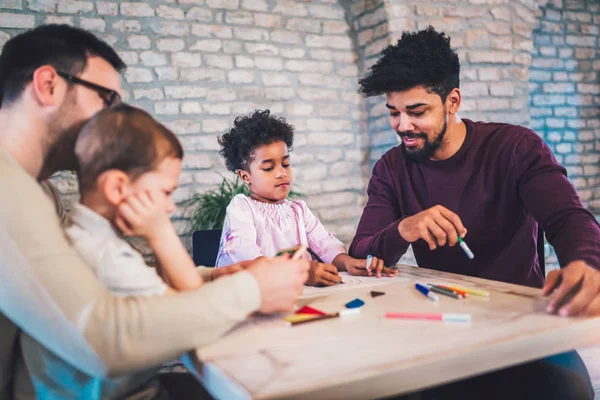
[446,317]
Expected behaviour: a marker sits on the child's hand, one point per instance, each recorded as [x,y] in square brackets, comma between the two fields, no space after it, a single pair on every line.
[322,274]
[143,215]
[359,267]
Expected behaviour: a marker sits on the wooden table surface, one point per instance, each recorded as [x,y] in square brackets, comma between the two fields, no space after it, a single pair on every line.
[369,356]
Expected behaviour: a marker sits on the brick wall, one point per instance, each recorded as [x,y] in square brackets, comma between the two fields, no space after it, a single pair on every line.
[565,93]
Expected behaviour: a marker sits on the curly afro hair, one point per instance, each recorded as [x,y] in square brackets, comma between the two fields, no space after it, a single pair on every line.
[422,58]
[248,133]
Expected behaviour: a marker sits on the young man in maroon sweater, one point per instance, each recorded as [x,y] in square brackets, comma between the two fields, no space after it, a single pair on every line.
[489,183]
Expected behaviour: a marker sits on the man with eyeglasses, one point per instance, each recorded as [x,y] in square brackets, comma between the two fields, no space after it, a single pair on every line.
[52,80]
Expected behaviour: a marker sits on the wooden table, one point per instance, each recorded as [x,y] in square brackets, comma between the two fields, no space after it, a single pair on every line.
[369,356]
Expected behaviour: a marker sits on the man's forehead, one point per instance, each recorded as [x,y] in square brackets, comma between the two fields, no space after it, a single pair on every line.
[101,72]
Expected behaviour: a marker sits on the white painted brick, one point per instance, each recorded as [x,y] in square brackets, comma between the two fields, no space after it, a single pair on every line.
[127,26]
[279,94]
[350,70]
[241,76]
[170,28]
[494,57]
[139,42]
[326,11]
[345,57]
[255,5]
[227,4]
[335,27]
[303,25]
[166,73]
[293,53]
[475,89]
[321,124]
[153,58]
[502,89]
[53,19]
[129,57]
[290,7]
[184,59]
[380,15]
[135,9]
[244,62]
[251,34]
[498,27]
[299,109]
[334,110]
[493,104]
[170,12]
[197,161]
[3,38]
[261,49]
[185,92]
[202,74]
[214,126]
[109,39]
[223,94]
[75,7]
[92,24]
[335,42]
[558,87]
[134,75]
[330,138]
[166,108]
[219,60]
[275,79]
[150,94]
[286,37]
[267,20]
[184,126]
[199,14]
[239,18]
[8,20]
[268,63]
[376,47]
[477,38]
[307,94]
[323,55]
[309,66]
[107,8]
[583,41]
[232,46]
[47,6]
[195,2]
[365,37]
[312,79]
[171,45]
[218,108]
[213,45]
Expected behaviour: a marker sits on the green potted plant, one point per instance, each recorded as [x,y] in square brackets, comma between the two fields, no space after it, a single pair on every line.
[209,208]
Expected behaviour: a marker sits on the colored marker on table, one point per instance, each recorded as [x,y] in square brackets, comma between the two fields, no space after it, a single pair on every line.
[369,261]
[446,317]
[458,292]
[475,292]
[425,290]
[445,292]
[466,249]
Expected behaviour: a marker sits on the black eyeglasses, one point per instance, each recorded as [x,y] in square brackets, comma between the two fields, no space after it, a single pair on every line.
[109,96]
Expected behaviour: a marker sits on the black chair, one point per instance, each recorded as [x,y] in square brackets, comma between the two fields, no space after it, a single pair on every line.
[205,246]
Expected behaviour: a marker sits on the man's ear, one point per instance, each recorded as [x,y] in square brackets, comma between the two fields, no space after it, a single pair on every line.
[115,185]
[49,89]
[453,101]
[244,176]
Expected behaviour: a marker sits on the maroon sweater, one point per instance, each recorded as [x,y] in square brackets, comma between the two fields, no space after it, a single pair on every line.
[501,181]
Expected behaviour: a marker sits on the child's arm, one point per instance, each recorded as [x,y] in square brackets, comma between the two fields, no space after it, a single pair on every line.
[141,215]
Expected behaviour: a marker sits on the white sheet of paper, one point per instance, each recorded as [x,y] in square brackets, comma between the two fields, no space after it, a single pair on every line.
[350,282]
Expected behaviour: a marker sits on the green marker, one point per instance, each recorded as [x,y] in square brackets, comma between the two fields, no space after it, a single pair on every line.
[465,248]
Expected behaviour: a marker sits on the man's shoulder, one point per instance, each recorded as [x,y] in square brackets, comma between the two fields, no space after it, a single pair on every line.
[390,160]
[501,134]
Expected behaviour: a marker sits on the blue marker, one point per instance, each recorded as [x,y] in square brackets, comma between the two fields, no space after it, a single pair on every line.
[369,260]
[425,290]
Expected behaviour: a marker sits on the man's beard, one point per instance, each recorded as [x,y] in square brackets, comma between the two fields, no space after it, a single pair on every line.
[64,131]
[428,149]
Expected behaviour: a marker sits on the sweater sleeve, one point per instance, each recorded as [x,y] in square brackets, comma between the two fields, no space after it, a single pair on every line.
[377,233]
[549,196]
[50,293]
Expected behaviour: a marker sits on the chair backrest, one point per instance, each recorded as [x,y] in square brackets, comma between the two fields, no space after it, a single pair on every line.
[205,246]
[541,250]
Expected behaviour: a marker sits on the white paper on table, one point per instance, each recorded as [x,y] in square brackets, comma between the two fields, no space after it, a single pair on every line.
[351,282]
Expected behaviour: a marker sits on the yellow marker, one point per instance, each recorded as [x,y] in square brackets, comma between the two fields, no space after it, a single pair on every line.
[475,292]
